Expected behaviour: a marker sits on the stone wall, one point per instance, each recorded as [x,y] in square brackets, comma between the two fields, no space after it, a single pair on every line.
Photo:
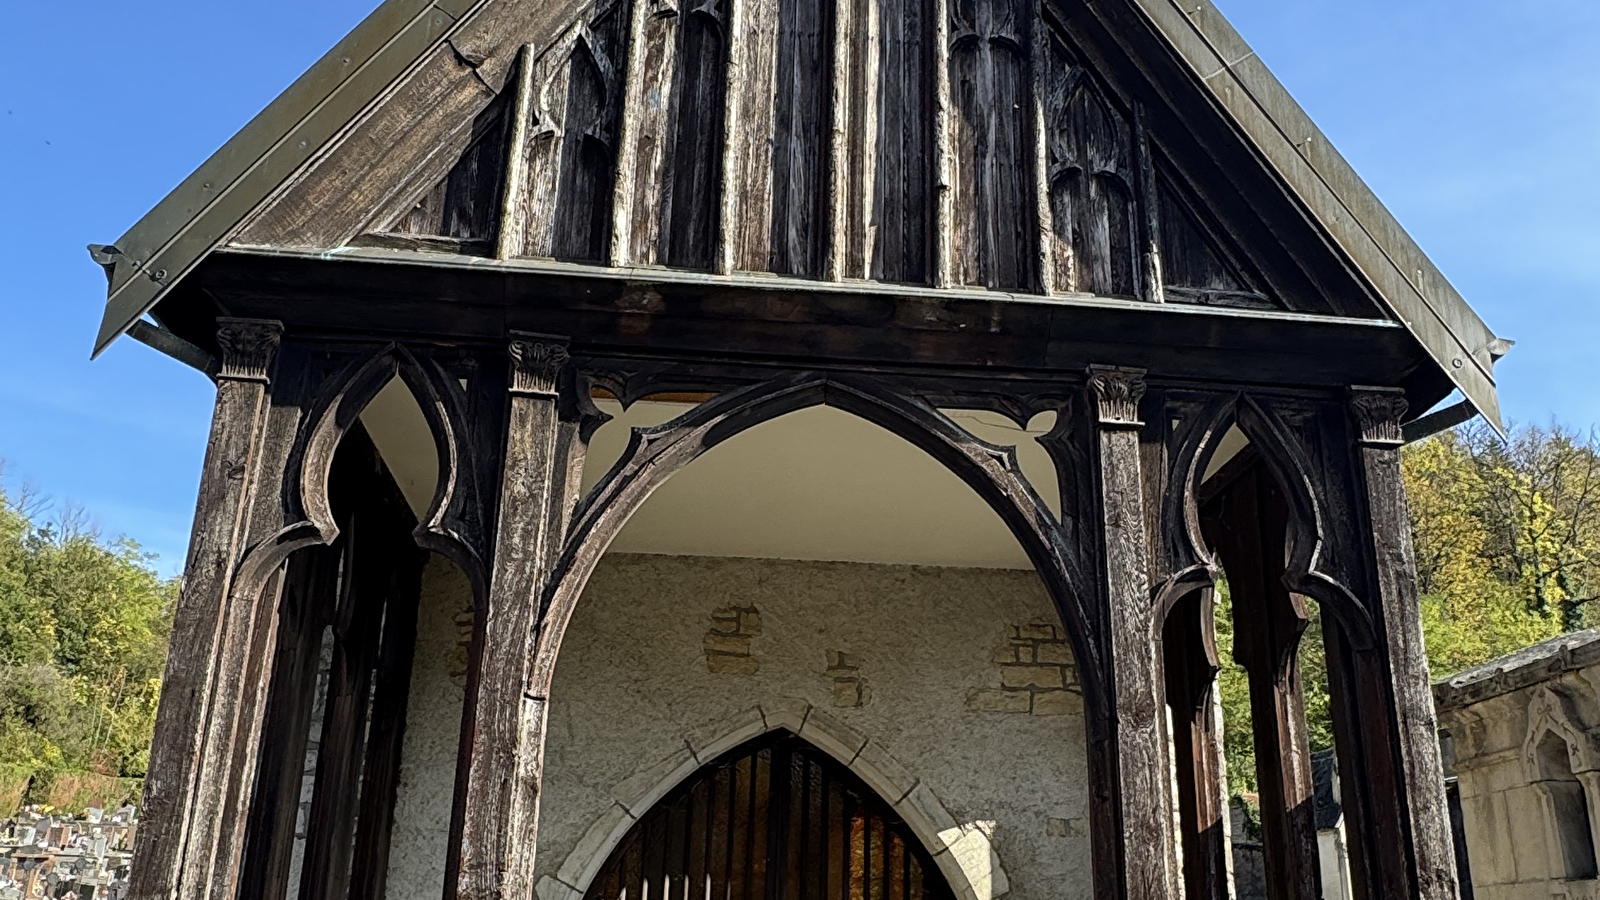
[670,659]
[1497,718]
[950,691]
[432,738]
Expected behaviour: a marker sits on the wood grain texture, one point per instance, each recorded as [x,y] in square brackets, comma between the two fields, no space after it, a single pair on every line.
[184,781]
[1089,154]
[800,137]
[749,153]
[1142,792]
[992,149]
[647,136]
[1378,415]
[503,730]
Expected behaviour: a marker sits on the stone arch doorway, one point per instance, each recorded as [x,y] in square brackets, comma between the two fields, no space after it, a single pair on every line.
[775,818]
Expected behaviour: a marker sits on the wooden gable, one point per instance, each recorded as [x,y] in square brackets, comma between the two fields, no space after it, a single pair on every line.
[994,144]
[1036,147]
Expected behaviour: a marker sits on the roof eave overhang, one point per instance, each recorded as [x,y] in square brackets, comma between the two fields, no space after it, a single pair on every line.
[198,215]
[1410,285]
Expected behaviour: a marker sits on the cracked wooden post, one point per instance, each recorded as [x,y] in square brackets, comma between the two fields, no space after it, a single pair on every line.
[188,778]
[503,732]
[1142,778]
[1419,778]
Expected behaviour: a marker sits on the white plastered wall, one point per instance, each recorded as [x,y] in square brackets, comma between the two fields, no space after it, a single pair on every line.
[998,793]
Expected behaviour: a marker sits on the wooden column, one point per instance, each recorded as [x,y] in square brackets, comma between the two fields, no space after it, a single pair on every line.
[1248,525]
[190,771]
[1418,778]
[1189,654]
[1141,778]
[503,739]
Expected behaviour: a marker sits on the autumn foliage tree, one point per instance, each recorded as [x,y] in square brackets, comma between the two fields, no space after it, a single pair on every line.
[1507,541]
[84,624]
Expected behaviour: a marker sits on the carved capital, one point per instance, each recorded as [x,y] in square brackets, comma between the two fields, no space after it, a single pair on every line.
[1378,413]
[1116,394]
[248,346]
[535,365]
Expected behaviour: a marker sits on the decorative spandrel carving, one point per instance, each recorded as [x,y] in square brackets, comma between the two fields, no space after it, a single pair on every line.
[1089,155]
[993,222]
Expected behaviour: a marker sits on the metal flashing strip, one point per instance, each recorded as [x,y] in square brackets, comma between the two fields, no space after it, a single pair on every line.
[1408,282]
[190,221]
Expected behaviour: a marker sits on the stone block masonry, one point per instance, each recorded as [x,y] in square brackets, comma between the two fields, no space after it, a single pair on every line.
[849,685]
[1037,675]
[727,643]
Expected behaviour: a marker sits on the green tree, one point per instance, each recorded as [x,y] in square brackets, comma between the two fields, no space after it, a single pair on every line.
[1507,543]
[84,624]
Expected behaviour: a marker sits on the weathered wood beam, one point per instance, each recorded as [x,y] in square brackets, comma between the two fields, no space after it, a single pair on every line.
[1248,525]
[308,598]
[1044,225]
[745,235]
[1142,785]
[645,138]
[1152,278]
[1188,645]
[503,743]
[189,773]
[1378,414]
[944,217]
[515,205]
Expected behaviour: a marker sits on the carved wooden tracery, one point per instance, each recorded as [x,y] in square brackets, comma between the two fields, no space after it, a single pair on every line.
[1129,562]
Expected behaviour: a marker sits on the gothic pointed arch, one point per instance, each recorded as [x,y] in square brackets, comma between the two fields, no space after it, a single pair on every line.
[775,817]
[656,454]
[454,523]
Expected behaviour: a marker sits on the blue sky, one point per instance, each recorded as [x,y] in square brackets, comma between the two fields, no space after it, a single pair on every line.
[1476,121]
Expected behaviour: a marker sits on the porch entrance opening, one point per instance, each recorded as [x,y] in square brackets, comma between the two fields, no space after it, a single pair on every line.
[773,819]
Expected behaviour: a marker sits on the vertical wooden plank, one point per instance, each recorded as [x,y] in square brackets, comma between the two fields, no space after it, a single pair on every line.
[514,204]
[1140,792]
[800,138]
[176,843]
[386,735]
[645,140]
[692,204]
[1038,77]
[309,582]
[991,151]
[845,205]
[1188,646]
[1153,279]
[330,835]
[1420,772]
[745,239]
[943,129]
[504,744]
